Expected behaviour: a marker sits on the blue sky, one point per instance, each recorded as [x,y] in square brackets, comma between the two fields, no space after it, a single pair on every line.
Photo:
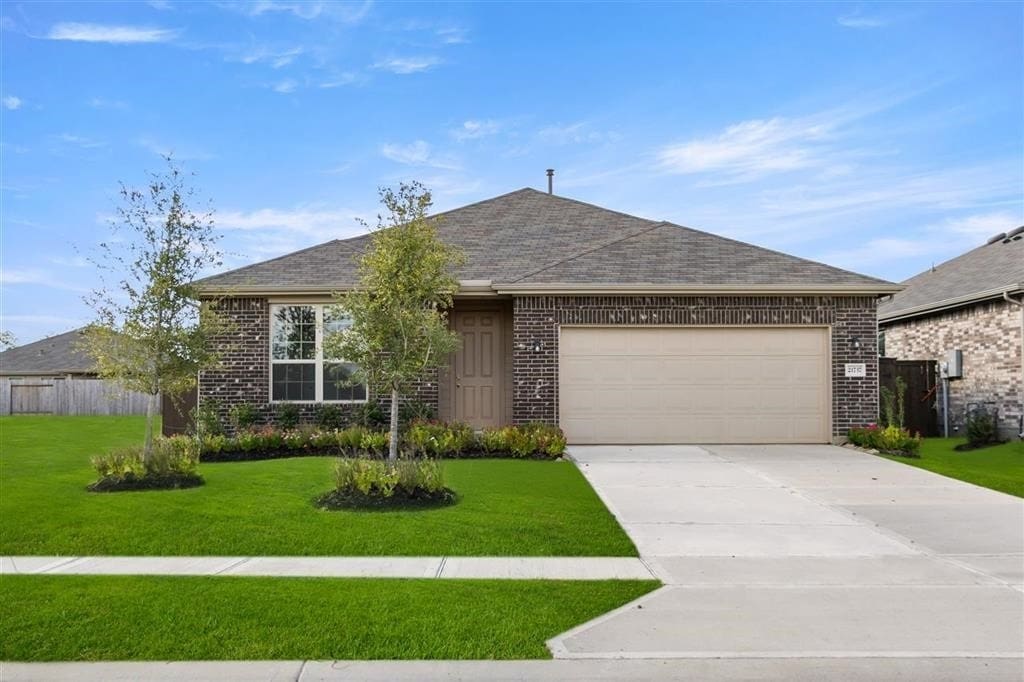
[876,137]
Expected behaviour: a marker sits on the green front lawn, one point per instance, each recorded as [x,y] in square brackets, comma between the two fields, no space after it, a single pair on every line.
[76,618]
[508,507]
[1000,467]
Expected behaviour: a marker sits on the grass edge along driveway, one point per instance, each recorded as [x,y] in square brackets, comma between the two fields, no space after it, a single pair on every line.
[1000,467]
[93,618]
[507,507]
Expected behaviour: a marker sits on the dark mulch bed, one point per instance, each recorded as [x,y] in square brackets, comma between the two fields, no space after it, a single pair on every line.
[967,447]
[356,501]
[169,482]
[257,455]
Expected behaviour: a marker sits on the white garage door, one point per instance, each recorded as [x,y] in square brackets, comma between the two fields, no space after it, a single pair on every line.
[694,385]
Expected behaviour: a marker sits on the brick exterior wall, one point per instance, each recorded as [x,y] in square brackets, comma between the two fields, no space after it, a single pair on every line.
[989,335]
[537,319]
[243,375]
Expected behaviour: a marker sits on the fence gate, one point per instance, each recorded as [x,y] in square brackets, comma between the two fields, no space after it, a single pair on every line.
[35,398]
[921,397]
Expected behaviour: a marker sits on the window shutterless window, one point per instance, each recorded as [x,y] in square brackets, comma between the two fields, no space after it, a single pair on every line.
[298,370]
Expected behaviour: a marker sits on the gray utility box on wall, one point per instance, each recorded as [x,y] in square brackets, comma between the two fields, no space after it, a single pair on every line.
[954,364]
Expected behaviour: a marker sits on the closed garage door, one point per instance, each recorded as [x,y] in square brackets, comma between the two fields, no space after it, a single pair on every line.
[694,385]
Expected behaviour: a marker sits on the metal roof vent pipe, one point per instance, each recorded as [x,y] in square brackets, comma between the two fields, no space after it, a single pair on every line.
[551,180]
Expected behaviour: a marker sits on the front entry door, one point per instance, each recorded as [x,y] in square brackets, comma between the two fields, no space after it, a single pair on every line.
[477,369]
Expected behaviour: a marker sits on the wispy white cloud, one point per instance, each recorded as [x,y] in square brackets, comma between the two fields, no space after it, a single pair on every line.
[452,35]
[935,241]
[305,221]
[11,102]
[105,33]
[751,149]
[80,141]
[473,129]
[856,19]
[418,153]
[338,80]
[286,86]
[104,103]
[344,12]
[181,152]
[580,132]
[407,65]
[275,57]
[36,277]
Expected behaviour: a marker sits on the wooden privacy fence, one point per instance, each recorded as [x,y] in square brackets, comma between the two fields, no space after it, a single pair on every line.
[921,397]
[67,395]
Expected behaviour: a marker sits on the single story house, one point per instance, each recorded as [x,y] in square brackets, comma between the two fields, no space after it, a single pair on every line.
[972,303]
[55,376]
[617,328]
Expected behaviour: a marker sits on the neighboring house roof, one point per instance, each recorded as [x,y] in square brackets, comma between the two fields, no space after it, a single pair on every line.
[982,273]
[58,354]
[528,240]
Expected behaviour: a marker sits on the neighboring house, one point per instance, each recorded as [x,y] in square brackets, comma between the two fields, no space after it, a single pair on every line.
[54,376]
[620,329]
[971,303]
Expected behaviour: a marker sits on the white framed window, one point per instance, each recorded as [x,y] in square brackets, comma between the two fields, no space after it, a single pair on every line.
[299,372]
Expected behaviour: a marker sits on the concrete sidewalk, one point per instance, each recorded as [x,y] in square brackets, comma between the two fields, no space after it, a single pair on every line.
[509,568]
[748,669]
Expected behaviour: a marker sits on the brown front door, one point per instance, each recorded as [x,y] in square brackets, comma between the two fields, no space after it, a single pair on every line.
[477,368]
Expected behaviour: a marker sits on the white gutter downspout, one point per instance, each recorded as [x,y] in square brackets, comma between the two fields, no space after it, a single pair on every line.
[1020,304]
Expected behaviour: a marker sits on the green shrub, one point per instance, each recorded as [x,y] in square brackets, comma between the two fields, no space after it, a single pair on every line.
[416,475]
[243,416]
[439,440]
[548,440]
[296,440]
[323,440]
[206,418]
[367,476]
[350,440]
[369,414]
[981,429]
[891,439]
[492,440]
[172,459]
[287,415]
[379,478]
[121,465]
[374,442]
[328,417]
[215,444]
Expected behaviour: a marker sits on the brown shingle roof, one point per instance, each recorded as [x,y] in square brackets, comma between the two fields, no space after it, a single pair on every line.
[529,237]
[58,354]
[984,272]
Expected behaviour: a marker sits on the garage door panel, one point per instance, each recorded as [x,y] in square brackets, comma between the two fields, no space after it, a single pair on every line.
[694,385]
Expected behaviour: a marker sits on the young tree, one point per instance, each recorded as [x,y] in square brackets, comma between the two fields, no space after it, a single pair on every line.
[399,309]
[150,334]
[7,340]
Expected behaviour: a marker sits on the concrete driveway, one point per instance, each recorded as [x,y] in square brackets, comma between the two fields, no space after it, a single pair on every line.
[809,551]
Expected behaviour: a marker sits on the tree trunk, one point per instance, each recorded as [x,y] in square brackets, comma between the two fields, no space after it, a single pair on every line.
[393,445]
[147,444]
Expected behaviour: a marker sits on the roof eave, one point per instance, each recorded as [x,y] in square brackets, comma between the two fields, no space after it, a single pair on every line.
[700,289]
[946,304]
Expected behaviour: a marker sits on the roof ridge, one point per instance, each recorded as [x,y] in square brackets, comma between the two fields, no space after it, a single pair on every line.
[587,252]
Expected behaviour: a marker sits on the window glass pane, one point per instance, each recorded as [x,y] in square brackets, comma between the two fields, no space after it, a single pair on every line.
[294,381]
[335,321]
[337,382]
[293,333]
